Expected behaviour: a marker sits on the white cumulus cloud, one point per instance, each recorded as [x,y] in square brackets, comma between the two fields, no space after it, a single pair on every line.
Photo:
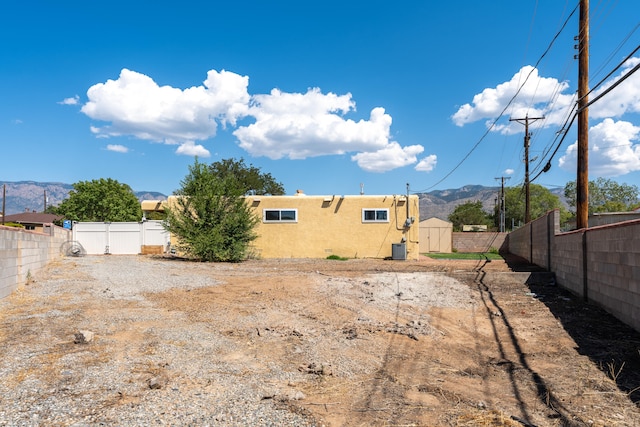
[427,164]
[613,144]
[301,125]
[305,125]
[390,157]
[279,124]
[508,172]
[538,97]
[117,148]
[136,105]
[70,101]
[189,148]
[614,149]
[625,98]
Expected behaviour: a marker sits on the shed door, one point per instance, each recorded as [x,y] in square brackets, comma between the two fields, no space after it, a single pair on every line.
[434,240]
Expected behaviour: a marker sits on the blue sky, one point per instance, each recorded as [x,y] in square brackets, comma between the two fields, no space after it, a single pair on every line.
[324,95]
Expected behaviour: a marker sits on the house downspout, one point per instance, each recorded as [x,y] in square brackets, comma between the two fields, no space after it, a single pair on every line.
[408,201]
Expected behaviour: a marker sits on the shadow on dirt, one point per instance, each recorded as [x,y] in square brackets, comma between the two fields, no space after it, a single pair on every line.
[610,344]
[556,408]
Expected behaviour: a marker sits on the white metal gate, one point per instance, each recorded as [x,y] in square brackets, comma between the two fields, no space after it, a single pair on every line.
[119,238]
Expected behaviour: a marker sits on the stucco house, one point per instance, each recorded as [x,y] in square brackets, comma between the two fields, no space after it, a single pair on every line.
[358,226]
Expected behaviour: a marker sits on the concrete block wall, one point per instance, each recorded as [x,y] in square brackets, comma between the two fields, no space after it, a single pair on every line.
[567,262]
[519,242]
[543,231]
[24,253]
[613,270]
[601,264]
[9,248]
[478,241]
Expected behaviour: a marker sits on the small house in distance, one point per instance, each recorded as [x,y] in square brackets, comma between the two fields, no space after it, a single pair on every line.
[436,235]
[34,221]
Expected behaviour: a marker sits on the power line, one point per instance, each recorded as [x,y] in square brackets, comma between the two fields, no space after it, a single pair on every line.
[493,124]
[564,134]
[610,88]
[616,68]
[617,49]
[527,136]
[565,128]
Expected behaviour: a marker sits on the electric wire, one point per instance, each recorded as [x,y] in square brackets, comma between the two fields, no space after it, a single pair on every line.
[547,164]
[495,121]
[551,107]
[610,88]
[564,134]
[524,56]
[614,70]
[549,146]
[565,129]
[615,51]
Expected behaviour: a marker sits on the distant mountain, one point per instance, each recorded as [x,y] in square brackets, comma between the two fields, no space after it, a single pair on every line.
[24,196]
[441,203]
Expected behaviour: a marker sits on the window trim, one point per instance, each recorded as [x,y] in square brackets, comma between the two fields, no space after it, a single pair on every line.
[279,210]
[375,210]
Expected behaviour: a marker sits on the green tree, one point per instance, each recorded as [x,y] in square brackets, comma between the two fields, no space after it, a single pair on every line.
[101,200]
[470,213]
[248,178]
[605,195]
[210,217]
[541,201]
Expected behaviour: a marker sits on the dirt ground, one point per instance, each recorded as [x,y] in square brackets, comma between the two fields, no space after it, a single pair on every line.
[485,352]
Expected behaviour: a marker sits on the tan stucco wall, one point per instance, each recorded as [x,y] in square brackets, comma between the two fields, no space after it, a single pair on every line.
[332,225]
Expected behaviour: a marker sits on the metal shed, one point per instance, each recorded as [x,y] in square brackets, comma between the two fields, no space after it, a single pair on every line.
[436,235]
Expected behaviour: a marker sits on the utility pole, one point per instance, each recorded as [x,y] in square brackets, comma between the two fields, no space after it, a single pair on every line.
[502,205]
[582,180]
[4,197]
[527,136]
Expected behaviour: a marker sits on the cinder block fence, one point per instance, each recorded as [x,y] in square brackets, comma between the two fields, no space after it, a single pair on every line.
[600,264]
[23,253]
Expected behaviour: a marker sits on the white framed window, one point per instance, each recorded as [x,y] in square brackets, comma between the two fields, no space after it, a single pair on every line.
[280,215]
[375,215]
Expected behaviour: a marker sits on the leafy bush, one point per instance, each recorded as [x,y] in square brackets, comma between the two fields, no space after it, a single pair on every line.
[13,224]
[210,217]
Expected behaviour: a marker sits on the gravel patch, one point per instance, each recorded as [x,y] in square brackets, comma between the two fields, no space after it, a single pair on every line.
[142,340]
[145,366]
[89,343]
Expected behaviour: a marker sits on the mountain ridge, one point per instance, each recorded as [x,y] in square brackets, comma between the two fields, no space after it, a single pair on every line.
[29,196]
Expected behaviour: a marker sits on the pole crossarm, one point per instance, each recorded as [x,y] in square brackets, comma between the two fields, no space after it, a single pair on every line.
[525,121]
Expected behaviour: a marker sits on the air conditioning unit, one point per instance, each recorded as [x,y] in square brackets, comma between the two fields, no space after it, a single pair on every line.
[399,251]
